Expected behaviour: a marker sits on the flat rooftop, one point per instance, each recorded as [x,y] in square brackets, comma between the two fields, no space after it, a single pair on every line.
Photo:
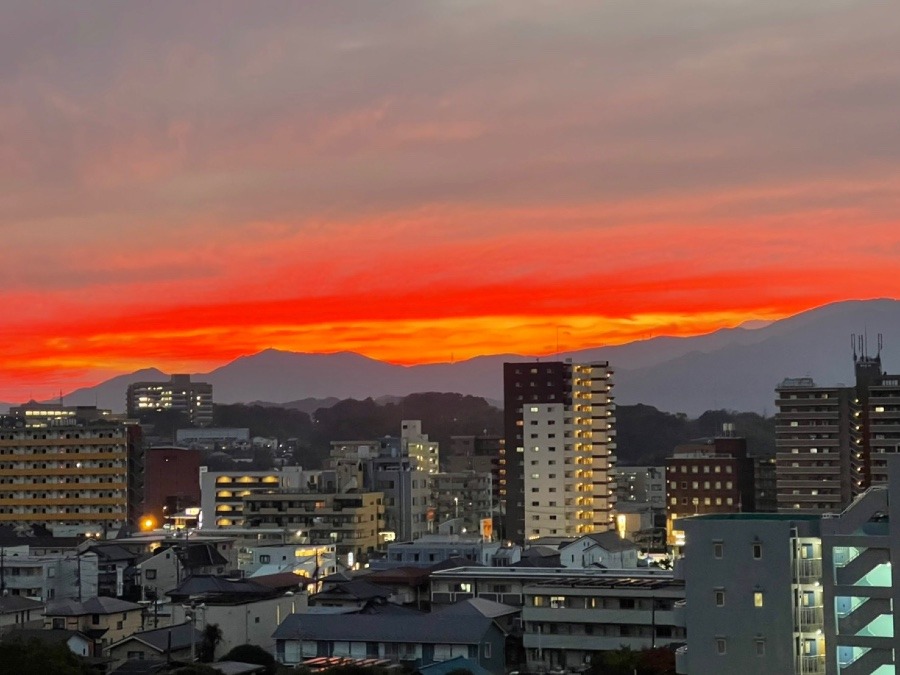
[756,516]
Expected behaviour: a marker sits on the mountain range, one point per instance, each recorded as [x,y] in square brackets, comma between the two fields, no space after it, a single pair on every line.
[733,368]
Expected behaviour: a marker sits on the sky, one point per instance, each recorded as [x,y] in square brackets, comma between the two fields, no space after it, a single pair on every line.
[182,184]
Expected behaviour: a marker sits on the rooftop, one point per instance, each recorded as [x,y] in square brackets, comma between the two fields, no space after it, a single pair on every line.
[171,637]
[756,516]
[99,605]
[412,628]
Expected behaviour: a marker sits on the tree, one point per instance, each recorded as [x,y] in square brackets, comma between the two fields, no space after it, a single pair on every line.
[37,657]
[252,654]
[212,636]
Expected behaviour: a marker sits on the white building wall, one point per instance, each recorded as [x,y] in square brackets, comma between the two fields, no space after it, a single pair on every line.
[546,493]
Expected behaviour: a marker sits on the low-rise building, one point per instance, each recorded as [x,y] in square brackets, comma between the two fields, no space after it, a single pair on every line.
[569,620]
[437,548]
[222,493]
[601,549]
[465,497]
[64,576]
[309,560]
[411,637]
[641,485]
[245,610]
[352,521]
[19,612]
[174,562]
[105,620]
[178,643]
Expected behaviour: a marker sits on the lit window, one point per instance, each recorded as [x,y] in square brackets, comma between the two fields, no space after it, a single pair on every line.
[758,599]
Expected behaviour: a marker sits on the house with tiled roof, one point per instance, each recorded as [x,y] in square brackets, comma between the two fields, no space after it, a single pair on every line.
[105,620]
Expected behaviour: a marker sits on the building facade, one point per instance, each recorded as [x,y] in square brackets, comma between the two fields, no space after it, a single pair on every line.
[754,596]
[560,439]
[861,585]
[710,475]
[569,620]
[171,481]
[819,456]
[481,454]
[416,445]
[641,485]
[179,394]
[222,493]
[462,496]
[352,521]
[71,476]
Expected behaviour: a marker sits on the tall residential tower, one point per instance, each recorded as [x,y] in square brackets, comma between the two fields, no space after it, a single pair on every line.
[559,420]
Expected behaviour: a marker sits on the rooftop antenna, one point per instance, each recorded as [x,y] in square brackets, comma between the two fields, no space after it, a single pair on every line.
[880,344]
[853,346]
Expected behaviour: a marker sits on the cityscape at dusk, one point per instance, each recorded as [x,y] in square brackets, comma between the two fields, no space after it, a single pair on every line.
[421,182]
[443,337]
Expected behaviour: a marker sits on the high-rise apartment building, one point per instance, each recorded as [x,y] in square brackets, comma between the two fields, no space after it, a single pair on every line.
[179,394]
[71,474]
[560,448]
[819,461]
[833,442]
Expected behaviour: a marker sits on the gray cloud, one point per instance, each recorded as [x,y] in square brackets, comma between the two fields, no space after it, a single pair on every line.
[130,122]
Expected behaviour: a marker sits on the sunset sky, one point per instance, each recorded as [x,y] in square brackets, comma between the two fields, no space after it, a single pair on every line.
[184,183]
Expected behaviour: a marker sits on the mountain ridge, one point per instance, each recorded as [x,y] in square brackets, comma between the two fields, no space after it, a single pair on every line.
[730,368]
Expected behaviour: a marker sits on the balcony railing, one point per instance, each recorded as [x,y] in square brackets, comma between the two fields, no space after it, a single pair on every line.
[811,664]
[811,618]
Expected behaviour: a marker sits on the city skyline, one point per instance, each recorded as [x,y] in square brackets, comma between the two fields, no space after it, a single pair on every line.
[419,182]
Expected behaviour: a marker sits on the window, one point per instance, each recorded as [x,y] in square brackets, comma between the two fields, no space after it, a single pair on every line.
[720,646]
[757,551]
[150,575]
[558,601]
[487,650]
[760,647]
[720,598]
[718,550]
[135,656]
[265,559]
[95,619]
[757,599]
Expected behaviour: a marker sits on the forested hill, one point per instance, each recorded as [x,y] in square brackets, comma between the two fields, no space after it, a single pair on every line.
[645,435]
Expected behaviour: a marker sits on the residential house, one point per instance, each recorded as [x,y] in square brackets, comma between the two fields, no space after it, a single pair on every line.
[177,642]
[103,619]
[599,549]
[414,638]
[245,610]
[19,612]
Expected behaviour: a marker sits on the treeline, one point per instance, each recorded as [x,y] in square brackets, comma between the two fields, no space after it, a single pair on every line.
[645,435]
[442,415]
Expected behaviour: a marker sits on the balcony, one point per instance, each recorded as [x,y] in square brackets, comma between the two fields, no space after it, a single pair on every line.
[811,664]
[809,570]
[811,618]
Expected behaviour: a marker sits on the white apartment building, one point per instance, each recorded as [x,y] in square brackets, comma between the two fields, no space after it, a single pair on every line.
[414,443]
[222,493]
[569,459]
